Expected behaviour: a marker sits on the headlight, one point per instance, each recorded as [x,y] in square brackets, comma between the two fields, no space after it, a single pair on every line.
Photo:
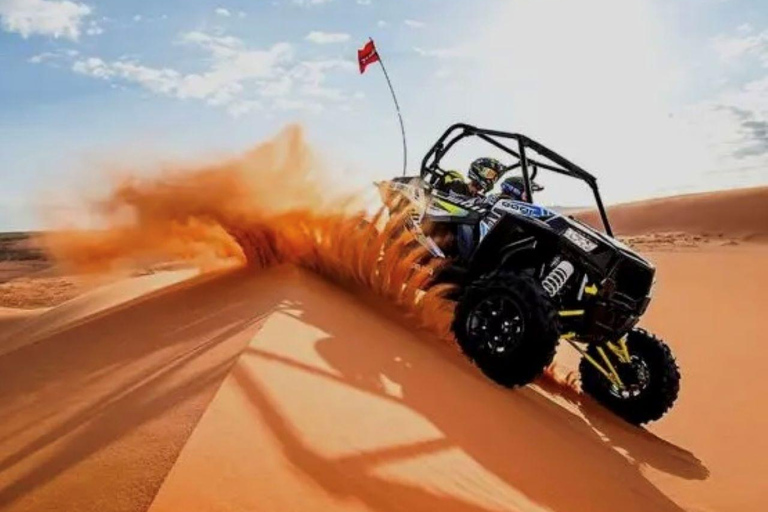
[580,240]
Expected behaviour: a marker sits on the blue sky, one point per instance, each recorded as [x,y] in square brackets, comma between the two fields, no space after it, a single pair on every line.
[655,97]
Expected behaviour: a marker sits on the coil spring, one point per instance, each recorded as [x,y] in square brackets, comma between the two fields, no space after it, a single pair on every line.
[557,278]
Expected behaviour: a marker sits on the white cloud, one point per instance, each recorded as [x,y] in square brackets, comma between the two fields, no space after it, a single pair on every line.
[730,47]
[221,11]
[164,81]
[220,46]
[414,24]
[41,57]
[364,2]
[233,65]
[734,124]
[328,93]
[279,88]
[311,2]
[440,53]
[94,29]
[314,72]
[292,104]
[319,37]
[44,17]
[244,107]
[222,84]
[159,80]
[94,67]
[238,78]
[137,18]
[381,23]
[55,55]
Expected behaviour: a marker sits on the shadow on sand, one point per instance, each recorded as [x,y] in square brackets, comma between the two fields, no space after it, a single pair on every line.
[103,408]
[552,455]
[94,415]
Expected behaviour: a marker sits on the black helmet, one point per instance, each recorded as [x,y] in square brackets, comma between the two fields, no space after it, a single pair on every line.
[514,187]
[484,172]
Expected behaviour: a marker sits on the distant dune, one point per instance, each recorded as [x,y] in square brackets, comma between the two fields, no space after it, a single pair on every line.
[741,213]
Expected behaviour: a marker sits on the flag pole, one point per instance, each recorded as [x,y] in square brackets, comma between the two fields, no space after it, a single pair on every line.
[397,108]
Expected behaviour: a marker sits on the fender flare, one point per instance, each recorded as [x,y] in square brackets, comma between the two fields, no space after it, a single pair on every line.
[531,240]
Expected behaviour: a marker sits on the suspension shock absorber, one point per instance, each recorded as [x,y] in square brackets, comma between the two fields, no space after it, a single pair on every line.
[557,278]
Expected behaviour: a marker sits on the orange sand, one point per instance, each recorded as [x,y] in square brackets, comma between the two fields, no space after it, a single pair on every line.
[333,405]
[741,213]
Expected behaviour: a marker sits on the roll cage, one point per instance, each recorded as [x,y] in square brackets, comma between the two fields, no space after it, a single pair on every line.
[431,171]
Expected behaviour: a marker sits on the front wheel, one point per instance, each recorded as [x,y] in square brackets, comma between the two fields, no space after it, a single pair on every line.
[651,379]
[507,325]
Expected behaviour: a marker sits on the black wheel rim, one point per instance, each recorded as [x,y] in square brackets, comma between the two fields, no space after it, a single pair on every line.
[635,376]
[496,325]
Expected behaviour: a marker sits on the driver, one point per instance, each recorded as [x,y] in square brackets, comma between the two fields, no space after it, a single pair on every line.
[483,174]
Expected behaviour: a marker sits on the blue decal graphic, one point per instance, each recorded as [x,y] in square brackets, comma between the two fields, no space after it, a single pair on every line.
[526,209]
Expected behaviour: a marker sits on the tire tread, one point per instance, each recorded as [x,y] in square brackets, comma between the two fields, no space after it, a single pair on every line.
[664,384]
[533,356]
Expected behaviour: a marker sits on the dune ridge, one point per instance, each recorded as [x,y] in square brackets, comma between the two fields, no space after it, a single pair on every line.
[740,214]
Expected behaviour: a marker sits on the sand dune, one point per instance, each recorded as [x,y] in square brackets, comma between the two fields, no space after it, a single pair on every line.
[95,414]
[278,391]
[741,213]
[12,318]
[392,423]
[26,326]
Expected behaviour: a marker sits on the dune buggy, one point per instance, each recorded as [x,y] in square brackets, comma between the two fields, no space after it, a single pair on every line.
[536,276]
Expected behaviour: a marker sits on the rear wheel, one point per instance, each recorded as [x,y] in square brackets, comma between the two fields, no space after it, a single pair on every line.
[507,325]
[651,379]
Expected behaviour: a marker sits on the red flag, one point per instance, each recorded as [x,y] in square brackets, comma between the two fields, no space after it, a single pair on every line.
[367,55]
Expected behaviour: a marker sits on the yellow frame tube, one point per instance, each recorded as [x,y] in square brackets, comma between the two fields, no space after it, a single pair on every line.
[610,366]
[613,377]
[622,352]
